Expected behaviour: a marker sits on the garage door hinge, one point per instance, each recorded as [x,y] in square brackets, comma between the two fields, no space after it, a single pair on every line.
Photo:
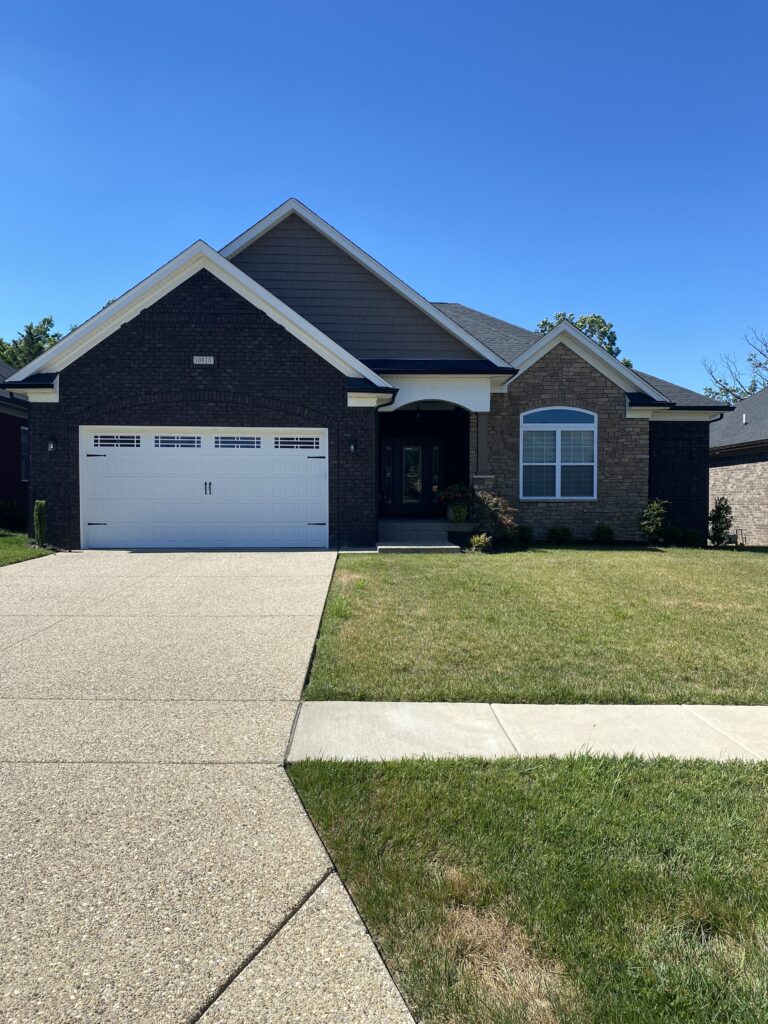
[315,456]
[96,524]
[317,524]
[90,456]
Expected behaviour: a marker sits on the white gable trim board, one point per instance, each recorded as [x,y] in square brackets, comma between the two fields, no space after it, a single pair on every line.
[574,339]
[173,486]
[198,256]
[294,206]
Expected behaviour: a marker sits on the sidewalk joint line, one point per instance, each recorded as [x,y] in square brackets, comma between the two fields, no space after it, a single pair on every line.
[717,728]
[501,726]
[199,1014]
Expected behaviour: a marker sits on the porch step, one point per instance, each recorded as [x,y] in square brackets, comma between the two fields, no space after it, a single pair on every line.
[418,549]
[422,531]
[405,536]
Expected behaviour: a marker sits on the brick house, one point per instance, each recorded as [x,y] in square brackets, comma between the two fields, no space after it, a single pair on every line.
[288,390]
[14,455]
[738,466]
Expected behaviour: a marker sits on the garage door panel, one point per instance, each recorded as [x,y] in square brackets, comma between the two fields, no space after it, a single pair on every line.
[203,487]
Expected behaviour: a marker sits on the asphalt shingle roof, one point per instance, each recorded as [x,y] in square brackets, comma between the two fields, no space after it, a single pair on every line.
[509,341]
[732,429]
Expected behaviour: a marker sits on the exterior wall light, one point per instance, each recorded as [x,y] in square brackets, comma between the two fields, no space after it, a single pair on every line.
[51,444]
[353,446]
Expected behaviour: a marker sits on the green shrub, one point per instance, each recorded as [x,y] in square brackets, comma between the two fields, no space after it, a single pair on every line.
[693,538]
[560,535]
[458,513]
[653,520]
[12,516]
[40,523]
[603,534]
[480,542]
[494,515]
[720,522]
[673,536]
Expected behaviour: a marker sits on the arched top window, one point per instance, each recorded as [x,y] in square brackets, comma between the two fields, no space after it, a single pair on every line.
[558,455]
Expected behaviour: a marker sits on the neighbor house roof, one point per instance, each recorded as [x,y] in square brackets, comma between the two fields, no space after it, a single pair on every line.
[510,341]
[746,425]
[6,398]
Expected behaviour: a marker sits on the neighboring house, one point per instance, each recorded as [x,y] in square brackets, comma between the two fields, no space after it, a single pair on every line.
[14,455]
[738,466]
[288,390]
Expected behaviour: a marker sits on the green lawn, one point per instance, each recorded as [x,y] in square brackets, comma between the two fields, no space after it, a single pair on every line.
[547,626]
[575,891]
[14,547]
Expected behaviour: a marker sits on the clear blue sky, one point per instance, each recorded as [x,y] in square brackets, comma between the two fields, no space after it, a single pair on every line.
[517,157]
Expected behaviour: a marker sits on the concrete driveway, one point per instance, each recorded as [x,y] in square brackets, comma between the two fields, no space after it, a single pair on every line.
[155,862]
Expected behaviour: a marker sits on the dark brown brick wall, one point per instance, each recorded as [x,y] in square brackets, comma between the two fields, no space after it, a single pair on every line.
[142,375]
[679,471]
[563,378]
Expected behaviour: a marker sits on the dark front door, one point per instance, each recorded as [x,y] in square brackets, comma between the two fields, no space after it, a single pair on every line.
[411,477]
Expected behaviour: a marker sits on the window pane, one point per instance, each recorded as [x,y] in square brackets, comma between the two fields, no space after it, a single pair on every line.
[411,483]
[538,446]
[538,481]
[577,482]
[558,416]
[577,446]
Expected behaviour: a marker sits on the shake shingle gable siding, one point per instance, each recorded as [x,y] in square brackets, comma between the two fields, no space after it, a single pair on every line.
[342,298]
[143,375]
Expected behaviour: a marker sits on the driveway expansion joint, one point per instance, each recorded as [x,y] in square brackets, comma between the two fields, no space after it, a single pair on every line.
[287,918]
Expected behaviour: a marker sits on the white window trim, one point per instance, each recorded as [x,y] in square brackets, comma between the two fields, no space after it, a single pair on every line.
[558,428]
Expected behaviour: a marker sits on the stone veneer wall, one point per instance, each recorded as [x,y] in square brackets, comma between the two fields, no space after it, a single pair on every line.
[561,378]
[743,480]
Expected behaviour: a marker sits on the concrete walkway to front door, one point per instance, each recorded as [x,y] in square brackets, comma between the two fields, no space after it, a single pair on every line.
[155,863]
[381,731]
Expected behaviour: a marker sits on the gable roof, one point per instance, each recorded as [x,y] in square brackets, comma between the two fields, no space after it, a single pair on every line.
[293,207]
[732,430]
[512,342]
[199,256]
[6,397]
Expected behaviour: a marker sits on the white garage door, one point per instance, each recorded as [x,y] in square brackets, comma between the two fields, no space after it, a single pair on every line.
[194,487]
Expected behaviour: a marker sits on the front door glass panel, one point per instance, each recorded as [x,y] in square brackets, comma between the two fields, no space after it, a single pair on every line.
[412,478]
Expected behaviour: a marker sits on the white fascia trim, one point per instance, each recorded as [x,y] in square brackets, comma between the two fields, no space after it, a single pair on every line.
[346,245]
[566,334]
[49,395]
[199,256]
[471,392]
[361,400]
[673,414]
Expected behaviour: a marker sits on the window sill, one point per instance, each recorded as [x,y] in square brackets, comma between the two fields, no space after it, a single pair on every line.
[558,499]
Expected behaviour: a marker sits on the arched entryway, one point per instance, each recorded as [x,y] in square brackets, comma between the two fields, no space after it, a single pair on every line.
[423,448]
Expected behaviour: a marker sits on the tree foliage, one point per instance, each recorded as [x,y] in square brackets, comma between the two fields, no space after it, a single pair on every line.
[29,343]
[731,379]
[593,325]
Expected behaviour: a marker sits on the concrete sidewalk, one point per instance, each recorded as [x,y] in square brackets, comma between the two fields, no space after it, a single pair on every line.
[375,731]
[155,861]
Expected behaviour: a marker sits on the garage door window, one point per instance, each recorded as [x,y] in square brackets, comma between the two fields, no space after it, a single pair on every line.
[237,441]
[177,441]
[312,443]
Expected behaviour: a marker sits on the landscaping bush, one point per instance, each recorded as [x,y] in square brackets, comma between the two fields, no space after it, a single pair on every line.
[40,523]
[720,522]
[603,534]
[560,535]
[693,538]
[480,542]
[494,515]
[672,536]
[653,520]
[12,516]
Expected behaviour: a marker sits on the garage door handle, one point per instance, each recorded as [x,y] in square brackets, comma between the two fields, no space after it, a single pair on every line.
[205,485]
[210,487]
